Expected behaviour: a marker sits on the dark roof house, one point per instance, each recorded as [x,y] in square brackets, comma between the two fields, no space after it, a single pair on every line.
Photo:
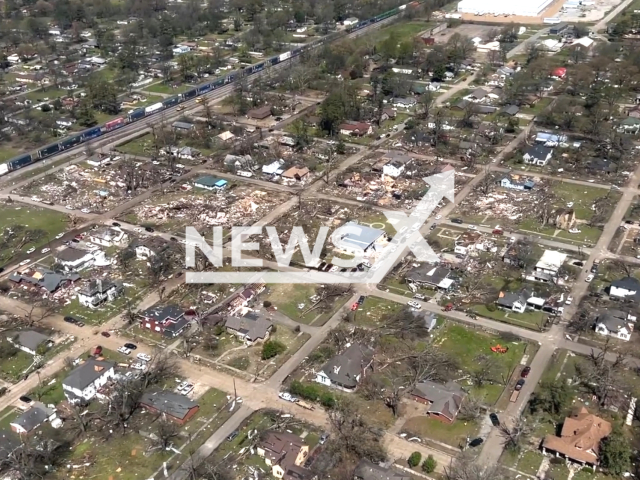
[179,408]
[32,418]
[444,400]
[366,470]
[346,369]
[250,328]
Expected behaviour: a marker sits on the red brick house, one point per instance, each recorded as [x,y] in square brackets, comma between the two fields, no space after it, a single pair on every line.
[444,401]
[356,129]
[178,408]
[168,319]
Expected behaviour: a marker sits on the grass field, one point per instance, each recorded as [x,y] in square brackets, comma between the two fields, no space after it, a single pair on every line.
[374,309]
[11,369]
[43,225]
[529,319]
[287,297]
[167,89]
[464,346]
[7,153]
[454,434]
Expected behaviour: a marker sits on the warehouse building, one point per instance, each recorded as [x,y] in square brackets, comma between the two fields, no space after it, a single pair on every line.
[526,8]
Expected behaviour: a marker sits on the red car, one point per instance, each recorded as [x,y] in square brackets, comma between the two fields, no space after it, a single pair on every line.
[355,306]
[525,372]
[105,334]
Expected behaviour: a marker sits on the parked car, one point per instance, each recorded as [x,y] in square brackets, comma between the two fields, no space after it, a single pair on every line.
[476,442]
[31,250]
[131,346]
[590,277]
[361,299]
[149,229]
[456,220]
[24,262]
[144,357]
[69,319]
[232,436]
[519,384]
[323,438]
[568,300]
[25,399]
[45,250]
[105,334]
[418,296]
[355,306]
[287,397]
[495,421]
[525,372]
[124,350]
[413,304]
[115,224]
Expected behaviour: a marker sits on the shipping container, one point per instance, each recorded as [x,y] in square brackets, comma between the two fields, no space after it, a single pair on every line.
[284,56]
[71,141]
[204,88]
[136,114]
[48,150]
[170,102]
[189,94]
[19,162]
[156,107]
[91,133]
[113,124]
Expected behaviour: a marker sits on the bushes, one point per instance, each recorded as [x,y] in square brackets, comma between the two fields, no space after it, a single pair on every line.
[414,459]
[271,348]
[429,464]
[313,393]
[491,307]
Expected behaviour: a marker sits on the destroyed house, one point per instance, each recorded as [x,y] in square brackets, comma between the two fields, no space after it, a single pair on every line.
[168,320]
[42,278]
[250,328]
[99,291]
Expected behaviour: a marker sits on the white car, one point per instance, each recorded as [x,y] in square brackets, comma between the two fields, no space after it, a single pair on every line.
[138,366]
[568,300]
[137,229]
[438,217]
[31,250]
[186,389]
[144,357]
[413,304]
[286,396]
[574,230]
[570,204]
[69,207]
[60,235]
[472,227]
[45,250]
[589,278]
[124,350]
[85,210]
[24,262]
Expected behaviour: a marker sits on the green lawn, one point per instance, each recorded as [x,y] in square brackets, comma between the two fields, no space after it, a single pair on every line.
[465,345]
[51,93]
[538,107]
[8,415]
[11,369]
[287,297]
[374,309]
[454,434]
[558,472]
[529,462]
[531,319]
[167,89]
[7,153]
[140,146]
[41,224]
[582,197]
[98,316]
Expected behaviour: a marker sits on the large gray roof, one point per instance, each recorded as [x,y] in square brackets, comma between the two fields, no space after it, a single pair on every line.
[366,470]
[168,402]
[344,369]
[34,417]
[254,328]
[364,238]
[87,373]
[28,338]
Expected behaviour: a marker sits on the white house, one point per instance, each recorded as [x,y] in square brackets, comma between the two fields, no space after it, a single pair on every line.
[74,259]
[405,102]
[34,417]
[97,292]
[347,369]
[274,168]
[108,236]
[625,287]
[85,380]
[616,324]
[537,155]
[515,182]
[150,247]
[15,58]
[65,122]
[28,340]
[516,302]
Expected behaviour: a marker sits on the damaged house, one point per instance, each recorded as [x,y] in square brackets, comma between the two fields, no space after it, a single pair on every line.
[345,370]
[40,278]
[538,155]
[166,319]
[615,323]
[431,276]
[97,292]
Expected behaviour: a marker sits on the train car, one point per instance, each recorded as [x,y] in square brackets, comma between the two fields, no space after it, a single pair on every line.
[170,102]
[137,114]
[70,142]
[91,133]
[218,83]
[274,61]
[113,124]
[205,88]
[230,78]
[156,107]
[19,162]
[49,150]
[190,94]
[4,169]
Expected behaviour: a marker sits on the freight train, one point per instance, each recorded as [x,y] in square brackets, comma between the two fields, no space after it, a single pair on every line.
[141,113]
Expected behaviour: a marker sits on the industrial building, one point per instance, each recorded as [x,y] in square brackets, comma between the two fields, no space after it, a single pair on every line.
[527,8]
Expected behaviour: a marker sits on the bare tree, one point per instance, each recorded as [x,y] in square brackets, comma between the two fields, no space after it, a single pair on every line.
[34,458]
[602,376]
[164,433]
[38,310]
[515,435]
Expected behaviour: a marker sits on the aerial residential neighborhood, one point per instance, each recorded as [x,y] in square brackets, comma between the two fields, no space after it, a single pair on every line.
[320,240]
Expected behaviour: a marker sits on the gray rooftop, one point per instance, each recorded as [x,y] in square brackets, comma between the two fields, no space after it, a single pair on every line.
[47,279]
[165,401]
[162,313]
[364,238]
[254,328]
[70,254]
[34,417]
[28,338]
[366,470]
[87,373]
[344,369]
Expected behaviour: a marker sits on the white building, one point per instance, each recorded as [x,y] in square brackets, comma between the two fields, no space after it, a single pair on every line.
[28,340]
[108,236]
[85,380]
[615,323]
[350,21]
[74,259]
[97,292]
[624,287]
[528,8]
